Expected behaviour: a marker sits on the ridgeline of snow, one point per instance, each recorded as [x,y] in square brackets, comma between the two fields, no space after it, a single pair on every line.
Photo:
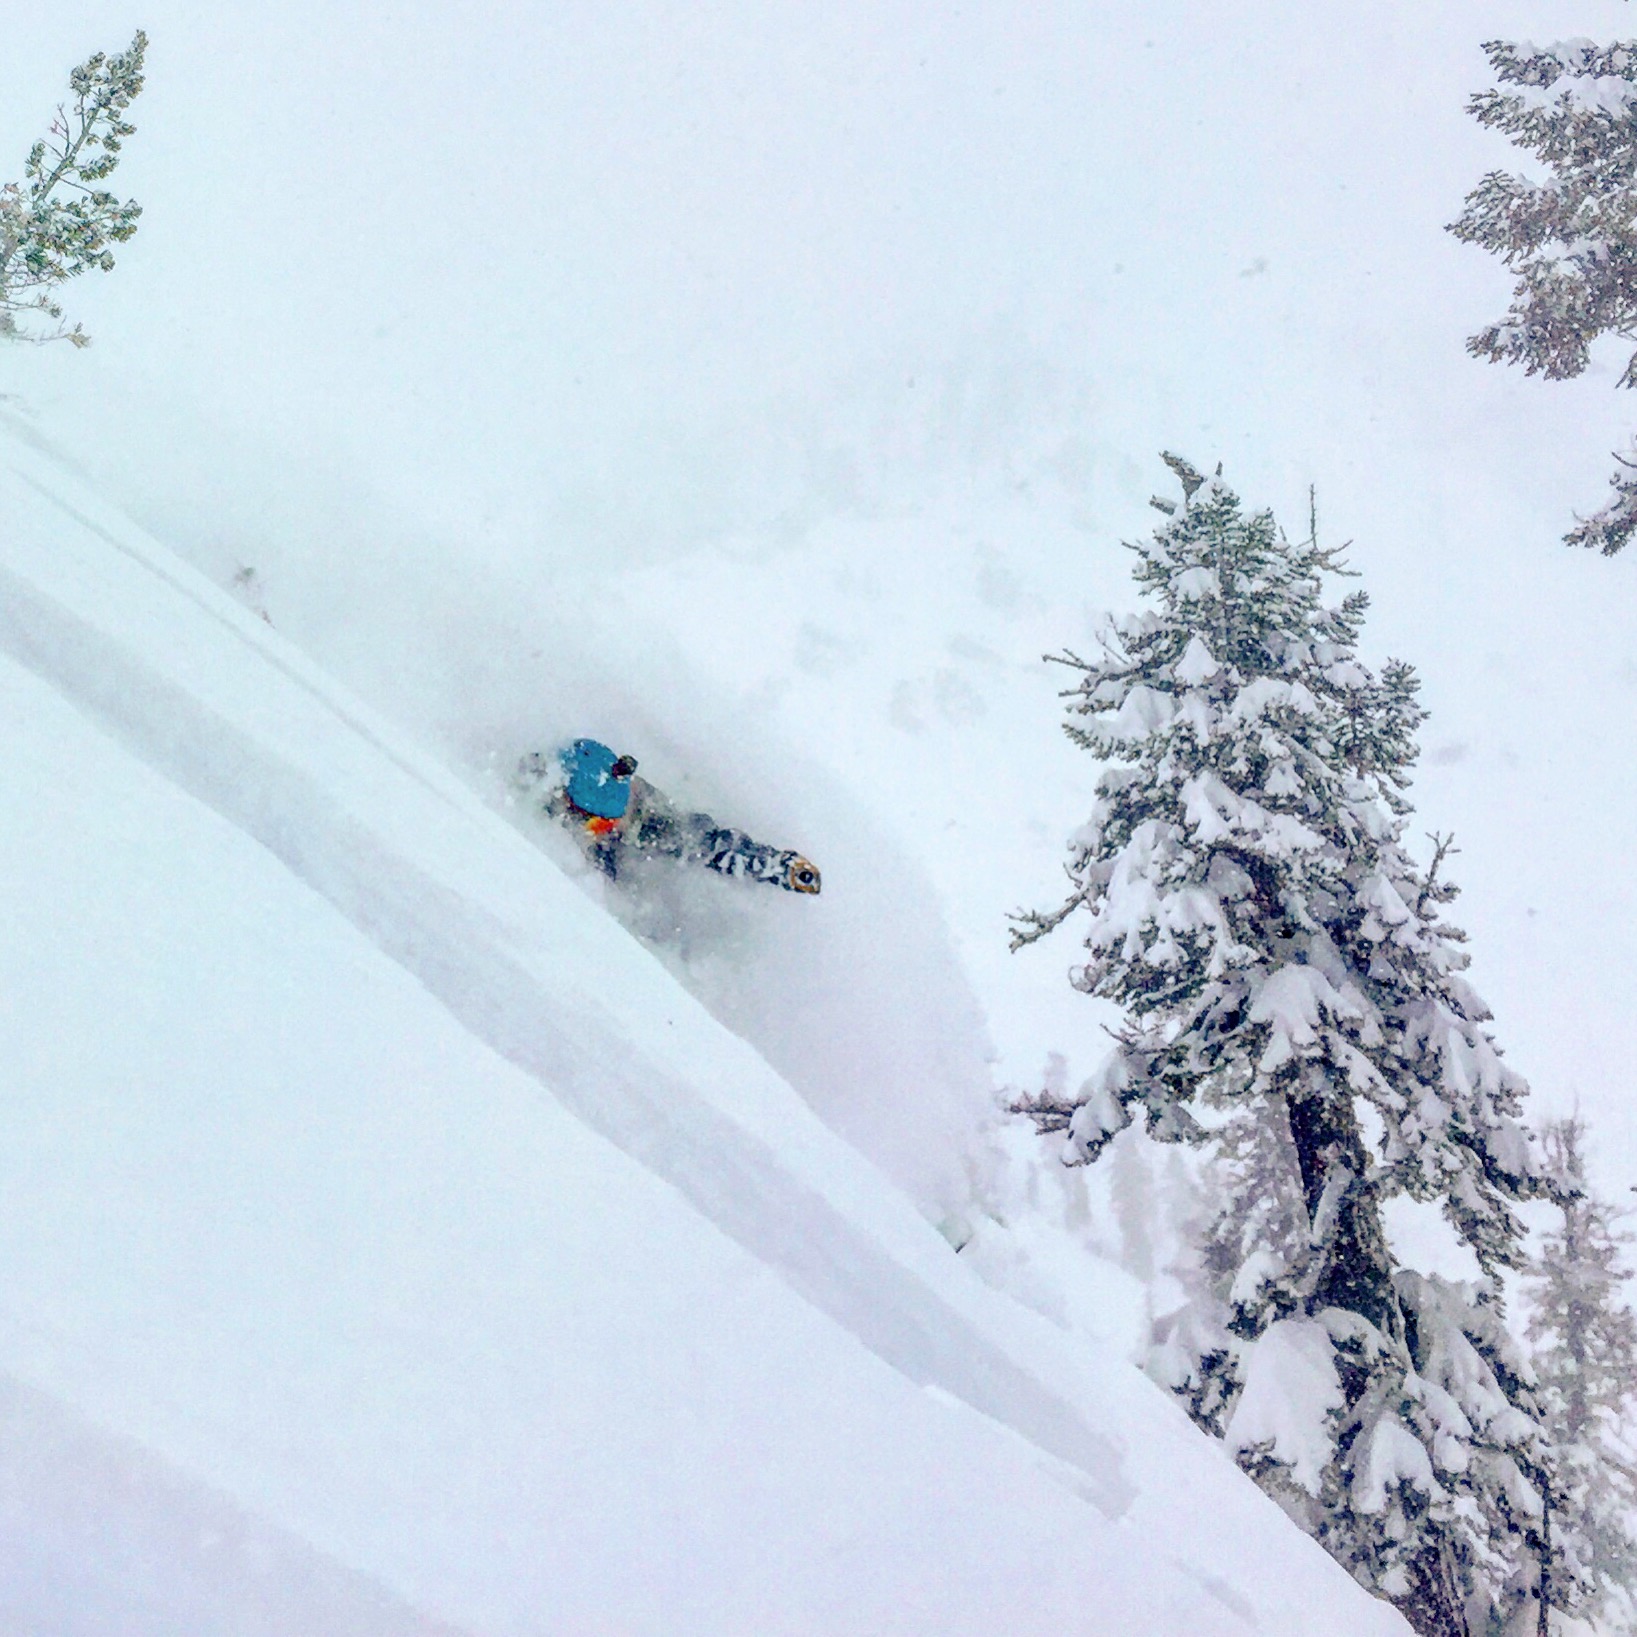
[360,1169]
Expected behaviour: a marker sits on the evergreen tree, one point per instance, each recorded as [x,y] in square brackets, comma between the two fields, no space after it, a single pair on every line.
[1293,999]
[1585,1353]
[60,222]
[1571,240]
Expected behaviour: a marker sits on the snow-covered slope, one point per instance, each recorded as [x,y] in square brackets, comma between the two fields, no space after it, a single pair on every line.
[102,1536]
[400,1205]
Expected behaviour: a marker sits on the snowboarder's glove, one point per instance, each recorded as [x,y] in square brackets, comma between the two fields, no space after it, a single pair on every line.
[801,876]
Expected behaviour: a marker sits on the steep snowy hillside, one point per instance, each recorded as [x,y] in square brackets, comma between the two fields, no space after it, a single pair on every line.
[371,1191]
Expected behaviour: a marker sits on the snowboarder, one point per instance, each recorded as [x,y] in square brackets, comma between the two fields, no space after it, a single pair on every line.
[597,797]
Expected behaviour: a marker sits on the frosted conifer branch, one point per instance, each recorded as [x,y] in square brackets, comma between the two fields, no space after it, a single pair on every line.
[1432,890]
[1570,241]
[61,223]
[1610,529]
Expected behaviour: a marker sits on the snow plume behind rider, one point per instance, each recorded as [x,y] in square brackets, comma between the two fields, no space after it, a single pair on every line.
[595,794]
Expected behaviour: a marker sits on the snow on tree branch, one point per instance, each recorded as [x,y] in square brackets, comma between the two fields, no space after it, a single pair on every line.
[1570,240]
[60,222]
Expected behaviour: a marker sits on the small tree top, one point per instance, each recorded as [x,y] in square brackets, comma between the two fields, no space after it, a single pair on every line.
[60,222]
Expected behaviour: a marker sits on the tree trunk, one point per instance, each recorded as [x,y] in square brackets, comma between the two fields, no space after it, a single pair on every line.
[1357,1271]
[1543,1595]
[1433,1605]
[1357,1275]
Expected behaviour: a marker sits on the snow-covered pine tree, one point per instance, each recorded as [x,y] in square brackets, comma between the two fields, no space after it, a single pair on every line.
[1584,1340]
[1288,984]
[61,222]
[1571,239]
